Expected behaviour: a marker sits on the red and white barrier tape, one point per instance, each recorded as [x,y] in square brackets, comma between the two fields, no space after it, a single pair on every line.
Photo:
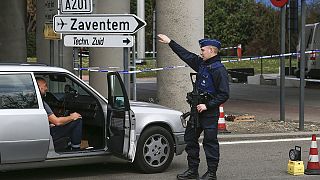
[113,69]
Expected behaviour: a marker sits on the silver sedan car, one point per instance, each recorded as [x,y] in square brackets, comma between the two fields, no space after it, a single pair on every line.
[145,134]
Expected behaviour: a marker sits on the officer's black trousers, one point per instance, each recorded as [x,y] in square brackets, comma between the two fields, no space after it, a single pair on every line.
[210,144]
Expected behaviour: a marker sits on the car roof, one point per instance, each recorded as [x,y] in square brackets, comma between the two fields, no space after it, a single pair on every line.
[29,68]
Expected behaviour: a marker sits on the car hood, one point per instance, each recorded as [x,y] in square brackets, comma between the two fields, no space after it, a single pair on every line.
[148,113]
[145,107]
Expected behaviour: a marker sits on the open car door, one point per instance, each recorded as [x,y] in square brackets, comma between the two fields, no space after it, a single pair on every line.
[121,122]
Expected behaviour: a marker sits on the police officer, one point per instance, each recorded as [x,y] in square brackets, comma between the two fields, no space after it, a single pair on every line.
[212,78]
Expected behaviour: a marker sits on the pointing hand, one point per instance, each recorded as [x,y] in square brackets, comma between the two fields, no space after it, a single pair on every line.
[164,39]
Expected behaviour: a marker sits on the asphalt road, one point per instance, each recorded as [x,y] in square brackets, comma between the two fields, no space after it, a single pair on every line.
[241,160]
[263,101]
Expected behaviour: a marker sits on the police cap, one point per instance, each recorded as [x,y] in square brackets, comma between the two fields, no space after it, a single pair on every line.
[209,42]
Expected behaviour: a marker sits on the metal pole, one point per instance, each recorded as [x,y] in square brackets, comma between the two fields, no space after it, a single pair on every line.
[126,77]
[141,32]
[51,52]
[80,61]
[154,32]
[261,67]
[289,37]
[134,76]
[60,53]
[261,72]
[282,64]
[75,59]
[302,64]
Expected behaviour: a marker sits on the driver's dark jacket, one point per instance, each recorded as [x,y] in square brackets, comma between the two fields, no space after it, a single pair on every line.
[219,75]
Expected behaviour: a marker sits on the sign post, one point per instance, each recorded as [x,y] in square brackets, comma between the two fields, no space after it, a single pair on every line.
[281,4]
[302,64]
[282,63]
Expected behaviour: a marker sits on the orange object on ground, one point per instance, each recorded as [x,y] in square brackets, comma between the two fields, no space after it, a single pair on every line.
[222,127]
[313,167]
[239,52]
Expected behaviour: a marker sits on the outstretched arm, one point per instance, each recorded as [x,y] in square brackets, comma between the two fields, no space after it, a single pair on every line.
[188,57]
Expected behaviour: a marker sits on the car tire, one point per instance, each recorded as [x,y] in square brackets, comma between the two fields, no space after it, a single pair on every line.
[155,150]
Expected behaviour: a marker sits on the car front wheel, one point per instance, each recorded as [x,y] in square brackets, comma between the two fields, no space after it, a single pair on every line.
[155,150]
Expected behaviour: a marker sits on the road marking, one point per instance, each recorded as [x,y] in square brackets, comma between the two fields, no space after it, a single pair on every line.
[260,141]
[264,141]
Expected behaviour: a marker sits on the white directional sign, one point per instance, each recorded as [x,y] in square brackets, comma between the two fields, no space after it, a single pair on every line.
[98,41]
[98,23]
[75,6]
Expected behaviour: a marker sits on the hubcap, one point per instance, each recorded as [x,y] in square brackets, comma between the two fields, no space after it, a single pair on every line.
[156,150]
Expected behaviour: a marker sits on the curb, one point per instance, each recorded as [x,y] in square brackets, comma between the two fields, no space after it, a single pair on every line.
[266,136]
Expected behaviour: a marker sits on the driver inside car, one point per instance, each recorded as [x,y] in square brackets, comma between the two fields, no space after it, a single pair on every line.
[68,126]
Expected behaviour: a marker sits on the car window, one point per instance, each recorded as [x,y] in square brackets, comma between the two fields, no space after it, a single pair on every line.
[117,100]
[309,38]
[64,84]
[17,91]
[317,37]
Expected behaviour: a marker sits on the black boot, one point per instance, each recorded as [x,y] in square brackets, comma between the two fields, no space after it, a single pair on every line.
[188,174]
[209,175]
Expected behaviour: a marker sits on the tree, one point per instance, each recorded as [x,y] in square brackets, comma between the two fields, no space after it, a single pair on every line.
[313,12]
[149,6]
[31,15]
[31,28]
[229,21]
[266,35]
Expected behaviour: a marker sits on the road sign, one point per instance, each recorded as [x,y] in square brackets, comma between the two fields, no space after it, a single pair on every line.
[75,6]
[50,9]
[49,34]
[98,41]
[98,23]
[279,3]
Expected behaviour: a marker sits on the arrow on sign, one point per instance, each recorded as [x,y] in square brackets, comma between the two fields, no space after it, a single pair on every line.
[61,23]
[140,23]
[126,41]
[98,23]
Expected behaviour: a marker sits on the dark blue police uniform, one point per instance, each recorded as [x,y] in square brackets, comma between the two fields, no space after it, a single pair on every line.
[212,77]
